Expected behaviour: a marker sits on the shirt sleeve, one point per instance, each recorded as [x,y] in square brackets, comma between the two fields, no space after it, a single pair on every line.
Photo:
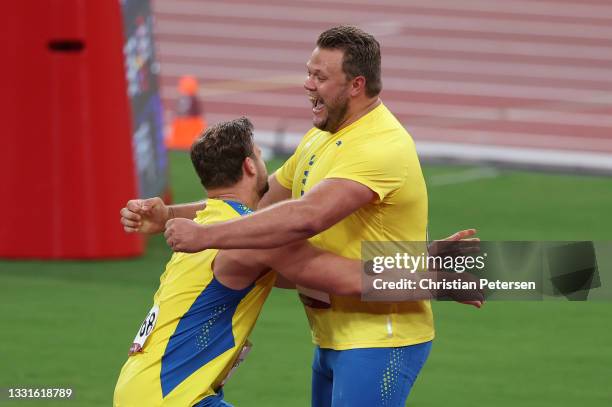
[285,174]
[383,170]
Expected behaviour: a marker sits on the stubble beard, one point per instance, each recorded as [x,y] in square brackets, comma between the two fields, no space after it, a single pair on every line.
[335,115]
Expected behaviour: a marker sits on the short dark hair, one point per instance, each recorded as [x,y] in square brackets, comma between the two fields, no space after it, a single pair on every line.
[361,54]
[217,155]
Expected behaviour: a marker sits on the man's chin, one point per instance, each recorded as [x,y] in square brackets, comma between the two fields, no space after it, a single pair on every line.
[321,125]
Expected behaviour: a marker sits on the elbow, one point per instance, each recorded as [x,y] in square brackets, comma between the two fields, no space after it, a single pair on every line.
[309,221]
[309,228]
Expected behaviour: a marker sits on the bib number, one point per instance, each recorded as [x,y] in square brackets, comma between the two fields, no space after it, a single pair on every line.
[145,330]
[241,356]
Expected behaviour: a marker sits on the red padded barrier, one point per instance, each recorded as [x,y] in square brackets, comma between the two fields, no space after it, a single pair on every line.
[66,162]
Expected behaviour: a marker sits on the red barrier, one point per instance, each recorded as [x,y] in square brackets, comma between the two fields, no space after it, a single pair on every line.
[66,163]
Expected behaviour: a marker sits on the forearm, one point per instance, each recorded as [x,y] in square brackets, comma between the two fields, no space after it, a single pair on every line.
[187,211]
[278,225]
[333,274]
[283,223]
[308,266]
[291,220]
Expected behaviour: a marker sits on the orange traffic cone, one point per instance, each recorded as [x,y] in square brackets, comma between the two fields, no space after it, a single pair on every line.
[189,121]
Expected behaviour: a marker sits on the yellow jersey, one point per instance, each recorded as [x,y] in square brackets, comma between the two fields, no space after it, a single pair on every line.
[377,152]
[195,331]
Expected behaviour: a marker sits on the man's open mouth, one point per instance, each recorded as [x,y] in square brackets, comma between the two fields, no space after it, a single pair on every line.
[317,104]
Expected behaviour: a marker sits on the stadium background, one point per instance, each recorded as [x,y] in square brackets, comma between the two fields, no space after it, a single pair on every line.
[520,74]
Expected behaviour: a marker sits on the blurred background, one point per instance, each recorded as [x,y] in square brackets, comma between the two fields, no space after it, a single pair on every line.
[510,105]
[480,80]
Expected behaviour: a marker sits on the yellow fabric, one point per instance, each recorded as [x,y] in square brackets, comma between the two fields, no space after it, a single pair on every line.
[377,152]
[185,277]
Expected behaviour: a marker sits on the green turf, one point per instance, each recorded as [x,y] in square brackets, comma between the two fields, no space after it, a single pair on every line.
[71,323]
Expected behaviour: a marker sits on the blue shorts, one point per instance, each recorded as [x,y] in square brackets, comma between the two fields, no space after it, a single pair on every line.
[213,401]
[369,377]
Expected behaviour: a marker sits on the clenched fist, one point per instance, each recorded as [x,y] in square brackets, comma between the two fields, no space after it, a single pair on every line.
[184,235]
[145,216]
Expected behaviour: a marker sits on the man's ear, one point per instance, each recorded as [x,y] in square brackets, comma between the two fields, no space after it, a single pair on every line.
[249,167]
[358,86]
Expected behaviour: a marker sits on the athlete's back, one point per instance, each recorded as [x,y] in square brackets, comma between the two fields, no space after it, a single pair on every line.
[195,330]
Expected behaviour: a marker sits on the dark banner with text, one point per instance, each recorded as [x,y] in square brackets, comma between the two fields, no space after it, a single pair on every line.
[476,271]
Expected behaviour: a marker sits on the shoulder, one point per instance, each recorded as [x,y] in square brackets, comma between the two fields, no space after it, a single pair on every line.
[381,129]
[310,136]
[386,143]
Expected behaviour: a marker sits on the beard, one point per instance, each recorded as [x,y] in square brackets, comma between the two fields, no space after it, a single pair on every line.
[263,189]
[336,112]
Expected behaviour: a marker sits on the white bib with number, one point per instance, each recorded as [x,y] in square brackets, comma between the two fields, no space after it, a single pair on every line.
[145,330]
[241,356]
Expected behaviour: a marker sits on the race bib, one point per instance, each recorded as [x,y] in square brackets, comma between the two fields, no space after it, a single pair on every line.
[241,356]
[144,331]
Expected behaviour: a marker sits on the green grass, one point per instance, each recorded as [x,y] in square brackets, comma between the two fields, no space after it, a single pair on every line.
[71,323]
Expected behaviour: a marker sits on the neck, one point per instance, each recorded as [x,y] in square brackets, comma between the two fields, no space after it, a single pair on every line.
[235,193]
[360,110]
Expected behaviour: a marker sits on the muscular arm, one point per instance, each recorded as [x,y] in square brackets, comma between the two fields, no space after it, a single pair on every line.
[285,222]
[275,194]
[150,216]
[308,266]
[300,263]
[187,210]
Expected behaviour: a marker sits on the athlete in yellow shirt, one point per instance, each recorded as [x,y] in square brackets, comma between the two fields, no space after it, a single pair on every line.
[355,177]
[200,319]
[195,330]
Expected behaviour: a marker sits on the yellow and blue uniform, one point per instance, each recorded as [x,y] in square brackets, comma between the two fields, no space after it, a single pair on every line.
[375,151]
[201,328]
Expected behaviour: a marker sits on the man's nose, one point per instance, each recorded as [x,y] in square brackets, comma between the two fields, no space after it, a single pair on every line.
[309,84]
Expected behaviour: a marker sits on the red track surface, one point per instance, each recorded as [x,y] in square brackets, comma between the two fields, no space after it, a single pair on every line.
[516,72]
